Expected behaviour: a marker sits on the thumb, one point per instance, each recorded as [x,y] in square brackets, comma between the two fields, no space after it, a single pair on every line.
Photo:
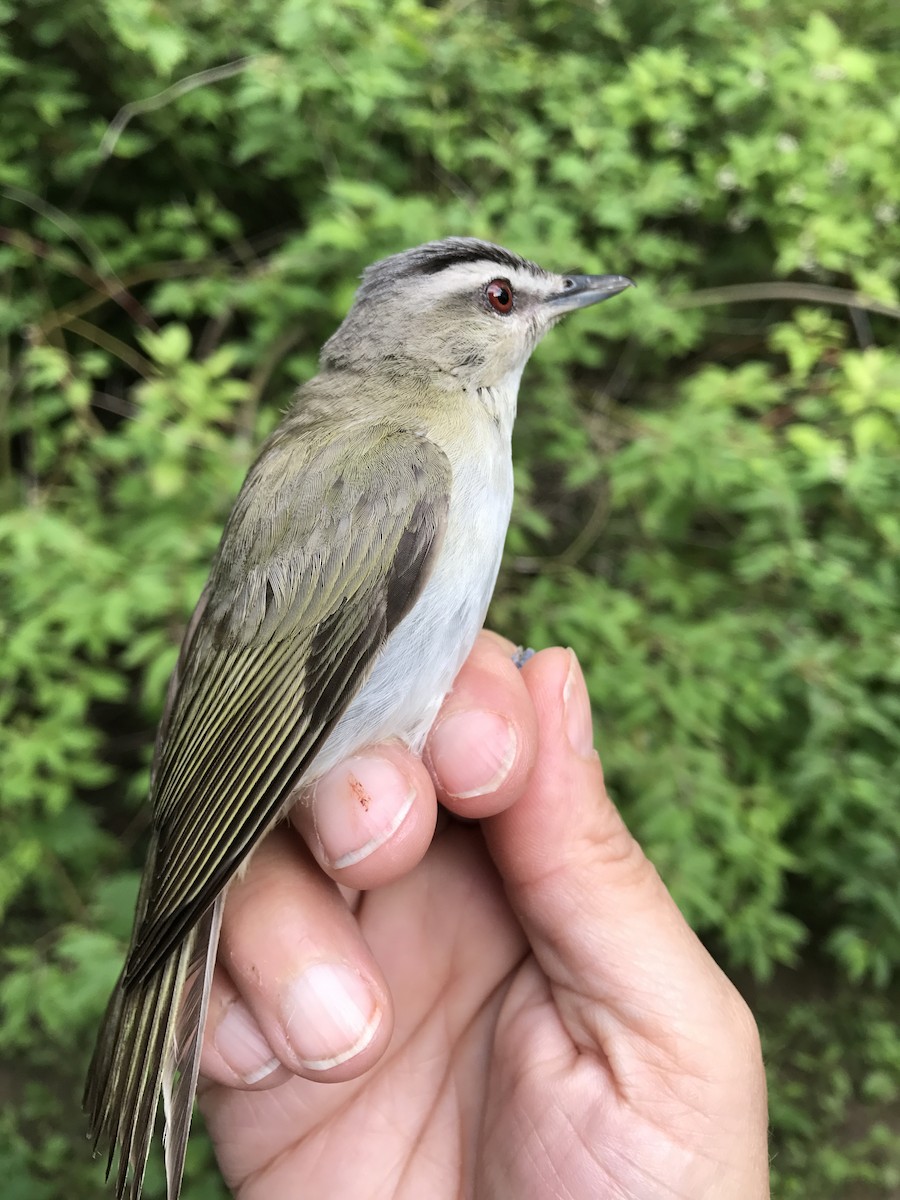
[616,950]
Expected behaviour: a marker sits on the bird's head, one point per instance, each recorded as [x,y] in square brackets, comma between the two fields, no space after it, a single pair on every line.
[459,308]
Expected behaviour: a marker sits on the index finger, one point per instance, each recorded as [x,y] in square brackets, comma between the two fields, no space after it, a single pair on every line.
[482,746]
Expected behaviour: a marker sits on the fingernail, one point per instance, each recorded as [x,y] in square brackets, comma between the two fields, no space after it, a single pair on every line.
[240,1042]
[358,806]
[577,709]
[329,1014]
[473,752]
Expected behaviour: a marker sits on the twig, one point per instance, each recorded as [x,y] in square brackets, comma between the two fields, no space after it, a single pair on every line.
[587,534]
[862,327]
[63,221]
[102,275]
[172,269]
[213,332]
[814,293]
[264,370]
[180,88]
[112,345]
[113,404]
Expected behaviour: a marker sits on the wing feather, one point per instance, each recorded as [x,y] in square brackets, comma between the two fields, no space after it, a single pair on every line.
[304,592]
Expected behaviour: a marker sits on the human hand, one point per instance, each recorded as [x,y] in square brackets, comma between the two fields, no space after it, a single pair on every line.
[512,1009]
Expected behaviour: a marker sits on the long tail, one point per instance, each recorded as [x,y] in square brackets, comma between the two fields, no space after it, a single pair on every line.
[149,1043]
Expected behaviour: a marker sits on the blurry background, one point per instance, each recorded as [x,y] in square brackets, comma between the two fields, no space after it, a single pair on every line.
[708,470]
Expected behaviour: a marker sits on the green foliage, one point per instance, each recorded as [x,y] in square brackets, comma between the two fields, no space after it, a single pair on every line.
[833,1065]
[746,576]
[708,480]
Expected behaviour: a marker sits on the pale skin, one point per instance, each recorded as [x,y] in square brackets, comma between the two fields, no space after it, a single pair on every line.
[511,1009]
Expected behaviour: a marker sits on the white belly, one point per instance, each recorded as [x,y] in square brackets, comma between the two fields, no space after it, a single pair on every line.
[422,656]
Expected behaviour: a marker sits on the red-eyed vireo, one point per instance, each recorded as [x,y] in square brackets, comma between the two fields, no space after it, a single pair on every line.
[352,578]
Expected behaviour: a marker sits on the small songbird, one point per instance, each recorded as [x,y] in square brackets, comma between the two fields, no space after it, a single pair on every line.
[350,583]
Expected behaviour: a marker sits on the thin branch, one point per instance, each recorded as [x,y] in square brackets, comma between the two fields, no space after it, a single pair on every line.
[587,535]
[623,370]
[862,327]
[171,269]
[112,345]
[114,404]
[108,289]
[103,290]
[181,87]
[813,293]
[68,225]
[105,277]
[213,332]
[77,907]
[265,368]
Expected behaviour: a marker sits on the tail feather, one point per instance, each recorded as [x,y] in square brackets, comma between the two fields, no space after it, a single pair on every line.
[181,1065]
[142,1046]
[150,1042]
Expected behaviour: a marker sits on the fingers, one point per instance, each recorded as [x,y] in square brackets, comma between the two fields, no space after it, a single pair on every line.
[296,986]
[296,989]
[482,746]
[235,1051]
[371,818]
[602,924]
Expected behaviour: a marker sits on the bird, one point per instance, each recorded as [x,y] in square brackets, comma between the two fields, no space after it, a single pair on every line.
[352,578]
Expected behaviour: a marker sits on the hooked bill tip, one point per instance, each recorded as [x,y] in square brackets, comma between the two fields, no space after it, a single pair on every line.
[581,290]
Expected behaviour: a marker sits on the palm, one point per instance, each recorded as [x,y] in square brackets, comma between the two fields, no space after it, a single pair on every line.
[482,1090]
[448,946]
[560,1034]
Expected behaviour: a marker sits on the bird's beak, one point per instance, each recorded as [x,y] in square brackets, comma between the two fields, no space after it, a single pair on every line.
[579,291]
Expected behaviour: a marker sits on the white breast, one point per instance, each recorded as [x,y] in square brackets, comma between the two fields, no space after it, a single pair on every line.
[424,653]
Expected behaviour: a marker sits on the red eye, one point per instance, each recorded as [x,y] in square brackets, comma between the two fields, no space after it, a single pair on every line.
[499,296]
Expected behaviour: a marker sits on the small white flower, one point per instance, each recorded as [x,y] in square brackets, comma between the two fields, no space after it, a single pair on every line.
[674,135]
[787,143]
[738,220]
[726,179]
[837,167]
[756,78]
[886,213]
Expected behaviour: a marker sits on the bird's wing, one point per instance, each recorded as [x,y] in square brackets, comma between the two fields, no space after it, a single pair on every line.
[324,554]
